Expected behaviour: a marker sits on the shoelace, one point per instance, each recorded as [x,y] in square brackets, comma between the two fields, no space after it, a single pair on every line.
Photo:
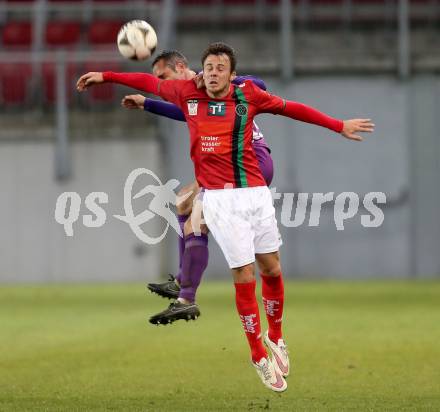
[266,372]
[283,349]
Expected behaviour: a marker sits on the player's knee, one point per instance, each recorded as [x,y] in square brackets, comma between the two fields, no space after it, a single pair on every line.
[272,270]
[269,264]
[244,274]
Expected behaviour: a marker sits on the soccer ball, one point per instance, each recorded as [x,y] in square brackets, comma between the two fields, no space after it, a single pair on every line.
[137,40]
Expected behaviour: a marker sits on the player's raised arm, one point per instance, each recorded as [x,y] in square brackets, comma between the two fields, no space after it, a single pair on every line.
[141,81]
[159,107]
[167,89]
[348,128]
[269,103]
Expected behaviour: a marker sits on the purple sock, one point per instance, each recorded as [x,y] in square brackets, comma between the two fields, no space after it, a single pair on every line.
[182,219]
[194,263]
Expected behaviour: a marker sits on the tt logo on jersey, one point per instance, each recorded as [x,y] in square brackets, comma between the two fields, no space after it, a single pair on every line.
[216,108]
[192,107]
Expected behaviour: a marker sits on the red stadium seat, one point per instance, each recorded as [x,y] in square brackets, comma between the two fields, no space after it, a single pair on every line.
[239,2]
[62,33]
[14,82]
[17,33]
[104,93]
[199,2]
[104,32]
[49,81]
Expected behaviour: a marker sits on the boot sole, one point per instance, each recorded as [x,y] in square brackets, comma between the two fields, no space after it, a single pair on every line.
[171,319]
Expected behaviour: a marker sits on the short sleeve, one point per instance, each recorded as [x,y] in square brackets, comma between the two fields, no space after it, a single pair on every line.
[266,102]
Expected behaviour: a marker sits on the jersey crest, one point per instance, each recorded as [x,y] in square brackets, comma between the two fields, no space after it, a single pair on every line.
[192,107]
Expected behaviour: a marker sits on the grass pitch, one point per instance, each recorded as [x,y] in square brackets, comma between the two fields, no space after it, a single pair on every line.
[358,346]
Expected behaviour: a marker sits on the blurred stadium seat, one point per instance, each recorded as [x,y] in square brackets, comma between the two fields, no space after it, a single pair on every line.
[14,83]
[106,92]
[63,33]
[17,34]
[49,81]
[103,32]
[328,34]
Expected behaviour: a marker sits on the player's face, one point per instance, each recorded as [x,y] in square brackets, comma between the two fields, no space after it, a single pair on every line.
[165,72]
[217,74]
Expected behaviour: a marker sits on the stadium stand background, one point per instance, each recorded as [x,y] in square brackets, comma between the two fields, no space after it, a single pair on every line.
[349,58]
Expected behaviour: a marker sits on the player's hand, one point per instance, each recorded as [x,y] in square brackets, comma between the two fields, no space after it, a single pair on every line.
[134,101]
[198,80]
[353,126]
[89,79]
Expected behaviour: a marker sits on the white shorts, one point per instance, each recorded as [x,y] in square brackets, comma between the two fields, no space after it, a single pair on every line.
[242,222]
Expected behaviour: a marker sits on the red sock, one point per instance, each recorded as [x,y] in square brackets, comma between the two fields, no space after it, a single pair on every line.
[247,307]
[273,299]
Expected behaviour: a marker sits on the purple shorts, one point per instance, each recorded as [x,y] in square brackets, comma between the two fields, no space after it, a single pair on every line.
[265,161]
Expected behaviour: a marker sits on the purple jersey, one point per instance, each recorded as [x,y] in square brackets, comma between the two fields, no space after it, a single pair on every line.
[258,138]
[265,162]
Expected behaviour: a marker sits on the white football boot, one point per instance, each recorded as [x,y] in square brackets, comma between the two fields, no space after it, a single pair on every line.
[280,355]
[270,376]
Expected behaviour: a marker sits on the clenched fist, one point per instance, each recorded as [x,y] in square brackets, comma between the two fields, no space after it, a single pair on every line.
[133,101]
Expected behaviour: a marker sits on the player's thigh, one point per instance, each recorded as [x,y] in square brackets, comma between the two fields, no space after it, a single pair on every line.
[185,198]
[230,226]
[267,236]
[196,223]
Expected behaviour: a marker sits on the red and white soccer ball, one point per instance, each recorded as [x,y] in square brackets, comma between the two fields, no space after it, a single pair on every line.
[137,40]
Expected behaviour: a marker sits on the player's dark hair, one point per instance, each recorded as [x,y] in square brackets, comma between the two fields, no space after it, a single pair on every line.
[171,58]
[221,48]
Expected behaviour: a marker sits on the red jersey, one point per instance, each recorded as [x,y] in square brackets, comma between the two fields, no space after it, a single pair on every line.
[221,130]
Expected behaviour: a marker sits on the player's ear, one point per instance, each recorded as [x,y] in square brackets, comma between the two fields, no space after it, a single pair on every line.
[180,67]
[233,76]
